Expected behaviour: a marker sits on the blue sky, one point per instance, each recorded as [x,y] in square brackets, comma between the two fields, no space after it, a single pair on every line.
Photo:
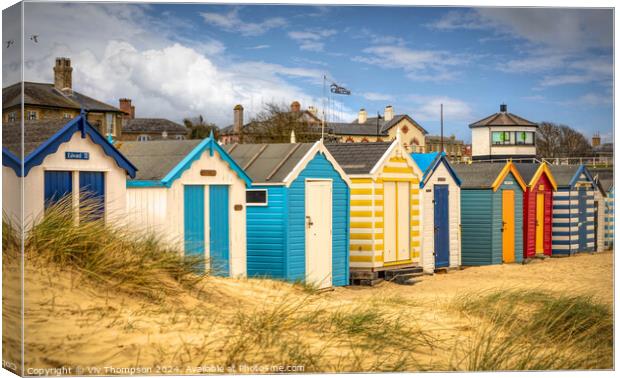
[182,60]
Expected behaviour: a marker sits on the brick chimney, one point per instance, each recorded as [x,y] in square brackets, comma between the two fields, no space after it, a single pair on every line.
[295,106]
[62,75]
[362,116]
[388,113]
[125,106]
[133,112]
[238,119]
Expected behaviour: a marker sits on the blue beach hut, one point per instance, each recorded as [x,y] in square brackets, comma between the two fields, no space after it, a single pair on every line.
[297,212]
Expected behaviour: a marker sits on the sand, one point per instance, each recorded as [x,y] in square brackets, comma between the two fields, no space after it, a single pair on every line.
[71,325]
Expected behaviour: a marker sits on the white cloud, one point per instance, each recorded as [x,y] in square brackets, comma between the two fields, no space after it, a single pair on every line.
[428,108]
[115,54]
[311,40]
[258,47]
[420,65]
[231,22]
[374,96]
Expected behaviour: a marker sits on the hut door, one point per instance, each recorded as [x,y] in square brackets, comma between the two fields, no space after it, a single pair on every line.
[442,235]
[583,220]
[319,233]
[92,191]
[194,222]
[389,221]
[403,195]
[219,241]
[57,184]
[540,222]
[508,225]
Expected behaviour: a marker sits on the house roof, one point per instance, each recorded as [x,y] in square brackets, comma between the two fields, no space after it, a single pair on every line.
[358,158]
[503,118]
[306,116]
[161,162]
[484,175]
[268,163]
[565,175]
[43,137]
[45,94]
[369,127]
[140,125]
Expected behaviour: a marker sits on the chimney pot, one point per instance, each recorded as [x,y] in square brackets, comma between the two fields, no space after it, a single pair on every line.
[362,116]
[503,108]
[62,75]
[238,119]
[125,105]
[133,112]
[295,106]
[388,114]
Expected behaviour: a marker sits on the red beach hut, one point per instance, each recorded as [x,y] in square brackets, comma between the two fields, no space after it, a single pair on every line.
[537,208]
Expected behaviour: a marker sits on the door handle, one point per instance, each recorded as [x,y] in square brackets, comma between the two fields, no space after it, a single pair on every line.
[309,221]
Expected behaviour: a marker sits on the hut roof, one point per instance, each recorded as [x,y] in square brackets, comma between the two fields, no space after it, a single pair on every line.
[358,158]
[565,174]
[155,159]
[478,175]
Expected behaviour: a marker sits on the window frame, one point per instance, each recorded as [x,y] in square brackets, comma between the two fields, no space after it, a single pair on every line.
[143,138]
[31,115]
[266,203]
[12,116]
[513,138]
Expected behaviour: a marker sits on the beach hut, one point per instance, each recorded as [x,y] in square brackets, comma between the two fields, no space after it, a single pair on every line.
[441,199]
[608,186]
[192,194]
[61,158]
[297,212]
[385,207]
[537,208]
[573,210]
[491,213]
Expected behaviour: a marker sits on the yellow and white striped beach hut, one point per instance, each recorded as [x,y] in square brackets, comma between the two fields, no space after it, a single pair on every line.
[385,206]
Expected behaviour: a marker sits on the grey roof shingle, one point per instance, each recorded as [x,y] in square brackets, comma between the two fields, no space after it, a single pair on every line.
[527,170]
[35,133]
[138,125]
[503,119]
[154,159]
[370,126]
[45,94]
[358,158]
[268,162]
[563,173]
[478,175]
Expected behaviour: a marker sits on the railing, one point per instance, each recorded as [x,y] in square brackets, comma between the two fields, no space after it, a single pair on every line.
[596,161]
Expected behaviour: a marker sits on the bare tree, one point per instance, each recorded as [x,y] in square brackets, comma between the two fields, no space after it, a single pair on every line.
[555,140]
[199,128]
[275,123]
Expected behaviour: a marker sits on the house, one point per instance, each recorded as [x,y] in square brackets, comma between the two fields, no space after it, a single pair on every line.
[366,129]
[385,207]
[502,136]
[441,199]
[61,158]
[537,208]
[58,100]
[297,212]
[573,210]
[192,194]
[146,129]
[491,213]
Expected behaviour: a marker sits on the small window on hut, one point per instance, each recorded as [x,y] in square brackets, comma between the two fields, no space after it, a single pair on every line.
[257,197]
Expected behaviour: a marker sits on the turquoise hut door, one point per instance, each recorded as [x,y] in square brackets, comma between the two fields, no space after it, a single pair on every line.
[319,233]
[219,241]
[194,223]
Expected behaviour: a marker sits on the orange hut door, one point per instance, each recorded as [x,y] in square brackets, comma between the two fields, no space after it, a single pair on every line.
[540,222]
[508,226]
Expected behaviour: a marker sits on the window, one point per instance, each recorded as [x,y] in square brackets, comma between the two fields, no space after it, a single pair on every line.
[525,137]
[513,138]
[109,123]
[31,115]
[180,137]
[143,138]
[256,197]
[12,116]
[350,140]
[502,137]
[365,140]
[66,115]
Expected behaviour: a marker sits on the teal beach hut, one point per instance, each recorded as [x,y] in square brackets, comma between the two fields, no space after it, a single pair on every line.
[491,213]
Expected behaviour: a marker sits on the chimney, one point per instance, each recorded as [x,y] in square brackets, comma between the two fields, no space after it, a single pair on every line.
[388,114]
[124,104]
[295,107]
[237,119]
[362,116]
[596,140]
[133,112]
[503,108]
[62,75]
[312,110]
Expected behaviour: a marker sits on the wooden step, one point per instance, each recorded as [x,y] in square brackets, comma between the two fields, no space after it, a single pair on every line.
[390,274]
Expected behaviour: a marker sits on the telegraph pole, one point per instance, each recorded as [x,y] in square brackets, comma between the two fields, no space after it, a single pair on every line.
[441,136]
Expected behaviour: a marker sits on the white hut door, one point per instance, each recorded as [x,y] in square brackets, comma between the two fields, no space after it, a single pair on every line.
[390,225]
[404,229]
[319,233]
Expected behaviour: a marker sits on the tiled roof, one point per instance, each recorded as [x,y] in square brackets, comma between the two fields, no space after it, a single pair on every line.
[503,119]
[527,170]
[35,133]
[358,158]
[268,162]
[563,174]
[155,159]
[45,94]
[478,175]
[159,125]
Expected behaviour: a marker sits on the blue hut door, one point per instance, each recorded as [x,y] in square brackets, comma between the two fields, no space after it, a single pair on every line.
[583,219]
[57,184]
[319,233]
[92,195]
[442,226]
[194,223]
[219,229]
